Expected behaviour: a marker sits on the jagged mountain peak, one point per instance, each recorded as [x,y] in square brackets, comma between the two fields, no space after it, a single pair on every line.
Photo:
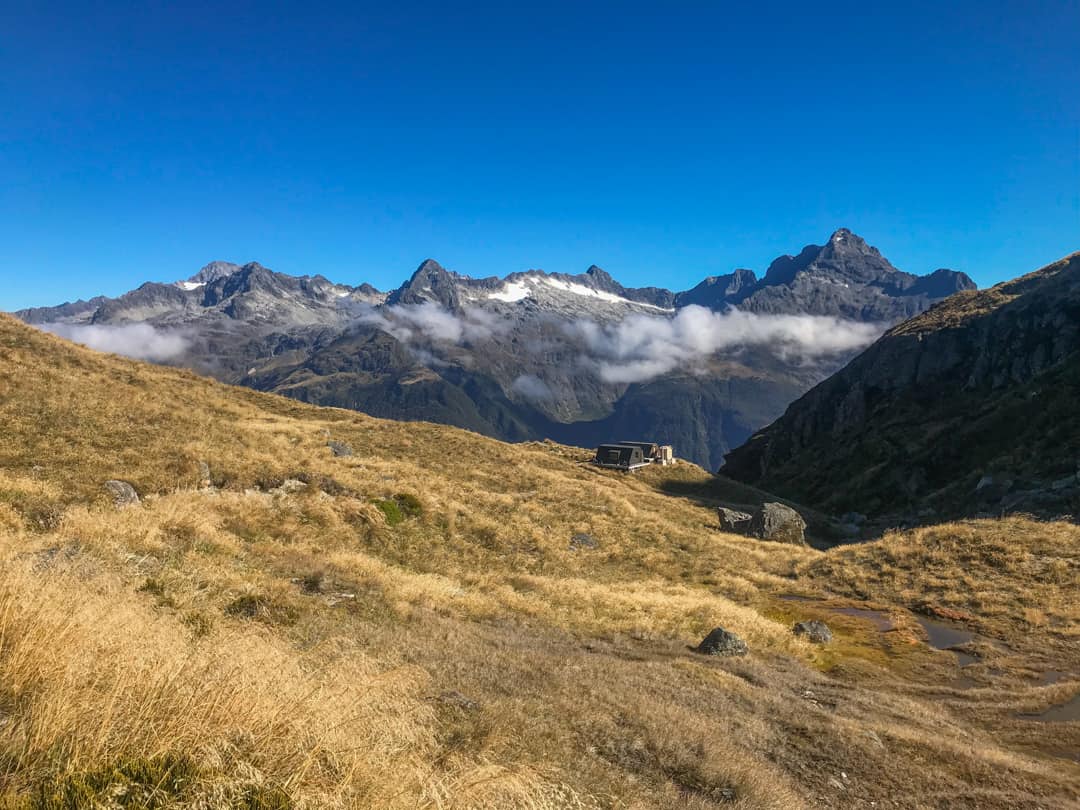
[431,283]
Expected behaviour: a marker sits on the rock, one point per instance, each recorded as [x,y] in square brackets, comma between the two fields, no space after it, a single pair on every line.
[732,521]
[721,642]
[455,698]
[579,541]
[815,631]
[984,482]
[204,475]
[123,493]
[288,487]
[855,518]
[339,448]
[778,523]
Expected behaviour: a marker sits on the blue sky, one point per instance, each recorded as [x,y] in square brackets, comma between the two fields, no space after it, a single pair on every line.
[664,142]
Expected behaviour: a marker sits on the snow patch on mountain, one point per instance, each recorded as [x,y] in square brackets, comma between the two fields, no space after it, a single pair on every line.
[512,292]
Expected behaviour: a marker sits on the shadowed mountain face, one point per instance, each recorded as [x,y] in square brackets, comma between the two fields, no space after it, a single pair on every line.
[968,408]
[575,358]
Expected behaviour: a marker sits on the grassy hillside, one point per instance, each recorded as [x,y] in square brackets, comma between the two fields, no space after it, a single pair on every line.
[414,625]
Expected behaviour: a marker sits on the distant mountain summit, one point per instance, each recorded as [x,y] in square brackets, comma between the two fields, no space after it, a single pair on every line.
[210,273]
[969,408]
[574,357]
[846,278]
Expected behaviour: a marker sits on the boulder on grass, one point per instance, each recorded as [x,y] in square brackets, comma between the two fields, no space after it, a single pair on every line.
[339,449]
[733,521]
[123,493]
[778,523]
[721,642]
[815,631]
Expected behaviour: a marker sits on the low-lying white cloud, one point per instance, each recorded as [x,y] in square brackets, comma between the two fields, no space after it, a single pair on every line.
[430,322]
[140,341]
[531,387]
[641,347]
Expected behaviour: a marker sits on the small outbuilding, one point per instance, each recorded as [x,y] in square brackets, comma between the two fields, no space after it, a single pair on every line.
[655,453]
[620,456]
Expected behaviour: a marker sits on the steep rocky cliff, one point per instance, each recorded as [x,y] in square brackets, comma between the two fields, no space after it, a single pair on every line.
[972,407]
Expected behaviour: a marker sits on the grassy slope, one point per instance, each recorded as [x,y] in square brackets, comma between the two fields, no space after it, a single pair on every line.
[244,647]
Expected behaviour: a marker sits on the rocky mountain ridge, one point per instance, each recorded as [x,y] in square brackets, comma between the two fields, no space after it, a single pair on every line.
[968,408]
[577,358]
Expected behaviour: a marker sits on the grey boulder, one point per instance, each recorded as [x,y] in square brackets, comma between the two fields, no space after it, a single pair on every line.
[339,448]
[123,493]
[721,642]
[815,631]
[778,523]
[733,521]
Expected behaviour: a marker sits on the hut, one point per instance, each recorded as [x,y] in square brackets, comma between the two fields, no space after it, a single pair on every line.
[648,449]
[654,453]
[619,456]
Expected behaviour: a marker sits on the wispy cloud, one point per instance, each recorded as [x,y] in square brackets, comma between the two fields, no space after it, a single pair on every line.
[641,347]
[531,387]
[138,340]
[429,322]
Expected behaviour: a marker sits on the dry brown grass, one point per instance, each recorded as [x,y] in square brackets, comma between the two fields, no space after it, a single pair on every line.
[299,643]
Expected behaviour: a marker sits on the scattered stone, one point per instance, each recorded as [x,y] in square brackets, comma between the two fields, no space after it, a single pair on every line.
[580,541]
[455,698]
[778,523]
[123,493]
[733,521]
[815,631]
[339,448]
[288,487]
[874,738]
[721,642]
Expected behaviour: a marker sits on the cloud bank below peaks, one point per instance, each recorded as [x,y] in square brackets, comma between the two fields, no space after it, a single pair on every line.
[429,322]
[642,347]
[139,341]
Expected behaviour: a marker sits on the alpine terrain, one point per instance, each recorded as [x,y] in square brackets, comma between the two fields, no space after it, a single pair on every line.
[213,597]
[578,359]
[967,409]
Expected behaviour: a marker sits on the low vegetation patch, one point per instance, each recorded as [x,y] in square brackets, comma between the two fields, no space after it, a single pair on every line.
[400,508]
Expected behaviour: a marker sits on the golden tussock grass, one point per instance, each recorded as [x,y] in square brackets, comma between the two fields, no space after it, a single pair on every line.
[410,626]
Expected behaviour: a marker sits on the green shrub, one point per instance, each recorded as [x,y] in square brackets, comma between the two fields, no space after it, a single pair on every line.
[400,507]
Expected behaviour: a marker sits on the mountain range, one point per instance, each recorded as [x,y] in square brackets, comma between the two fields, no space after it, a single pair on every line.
[576,358]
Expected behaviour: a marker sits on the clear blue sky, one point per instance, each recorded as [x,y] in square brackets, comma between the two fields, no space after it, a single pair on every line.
[664,142]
